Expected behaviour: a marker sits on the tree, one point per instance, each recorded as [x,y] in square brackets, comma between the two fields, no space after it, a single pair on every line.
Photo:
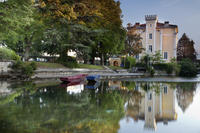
[185,48]
[20,24]
[133,44]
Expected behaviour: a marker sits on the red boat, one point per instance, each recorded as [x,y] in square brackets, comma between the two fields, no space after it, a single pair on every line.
[73,79]
[71,84]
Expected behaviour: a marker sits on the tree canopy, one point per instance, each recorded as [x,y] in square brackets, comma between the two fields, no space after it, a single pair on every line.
[91,28]
[185,48]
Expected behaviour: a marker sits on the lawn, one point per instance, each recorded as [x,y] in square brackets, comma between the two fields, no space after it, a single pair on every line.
[115,67]
[57,65]
[90,66]
[49,65]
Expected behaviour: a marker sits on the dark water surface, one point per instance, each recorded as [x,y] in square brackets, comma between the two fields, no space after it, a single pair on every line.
[113,107]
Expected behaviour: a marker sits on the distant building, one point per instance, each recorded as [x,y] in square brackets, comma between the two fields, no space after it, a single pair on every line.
[157,36]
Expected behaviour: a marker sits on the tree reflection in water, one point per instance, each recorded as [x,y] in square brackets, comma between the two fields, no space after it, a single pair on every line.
[45,109]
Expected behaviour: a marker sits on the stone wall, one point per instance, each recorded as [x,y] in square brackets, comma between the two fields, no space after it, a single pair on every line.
[4,66]
[4,88]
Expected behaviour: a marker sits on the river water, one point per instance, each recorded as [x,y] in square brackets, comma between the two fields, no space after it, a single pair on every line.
[104,107]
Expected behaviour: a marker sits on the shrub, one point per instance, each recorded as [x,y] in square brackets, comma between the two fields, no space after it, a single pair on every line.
[33,65]
[151,71]
[129,62]
[25,69]
[140,64]
[68,61]
[170,68]
[8,54]
[188,68]
[160,66]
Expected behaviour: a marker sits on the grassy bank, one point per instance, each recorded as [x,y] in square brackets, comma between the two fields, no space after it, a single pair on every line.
[87,66]
[57,65]
[115,67]
[49,65]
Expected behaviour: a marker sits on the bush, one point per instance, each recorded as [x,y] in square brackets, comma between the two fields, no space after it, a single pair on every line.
[140,64]
[68,61]
[151,71]
[160,66]
[25,69]
[170,68]
[130,62]
[188,68]
[33,65]
[8,54]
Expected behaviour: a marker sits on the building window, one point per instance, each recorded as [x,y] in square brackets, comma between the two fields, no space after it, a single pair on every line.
[149,109]
[150,36]
[150,96]
[165,89]
[150,48]
[165,55]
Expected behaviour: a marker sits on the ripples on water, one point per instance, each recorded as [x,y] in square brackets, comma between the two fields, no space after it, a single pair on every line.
[106,107]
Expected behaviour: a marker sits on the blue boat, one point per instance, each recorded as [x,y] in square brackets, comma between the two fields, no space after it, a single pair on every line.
[92,85]
[93,78]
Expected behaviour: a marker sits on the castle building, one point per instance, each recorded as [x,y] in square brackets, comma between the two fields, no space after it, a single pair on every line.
[156,36]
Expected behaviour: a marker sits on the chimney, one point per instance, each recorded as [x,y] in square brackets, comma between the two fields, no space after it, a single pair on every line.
[166,23]
[137,23]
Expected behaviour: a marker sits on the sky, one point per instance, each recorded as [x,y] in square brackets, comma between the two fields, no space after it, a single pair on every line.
[184,13]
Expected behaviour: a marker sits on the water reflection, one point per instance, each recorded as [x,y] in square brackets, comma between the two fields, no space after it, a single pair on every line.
[152,106]
[107,107]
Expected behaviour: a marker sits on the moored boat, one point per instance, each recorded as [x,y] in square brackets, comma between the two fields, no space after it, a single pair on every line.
[75,78]
[93,78]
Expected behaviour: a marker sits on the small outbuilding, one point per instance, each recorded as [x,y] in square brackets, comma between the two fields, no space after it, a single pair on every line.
[115,61]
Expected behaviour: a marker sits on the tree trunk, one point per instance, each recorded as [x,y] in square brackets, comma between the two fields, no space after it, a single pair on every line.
[27,51]
[102,60]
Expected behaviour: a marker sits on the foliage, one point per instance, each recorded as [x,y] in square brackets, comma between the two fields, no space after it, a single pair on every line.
[157,57]
[133,44]
[90,28]
[170,68]
[26,70]
[21,26]
[147,60]
[185,48]
[151,70]
[68,61]
[8,54]
[129,62]
[188,68]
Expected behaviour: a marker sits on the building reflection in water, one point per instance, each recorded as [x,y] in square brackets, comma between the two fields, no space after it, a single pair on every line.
[151,104]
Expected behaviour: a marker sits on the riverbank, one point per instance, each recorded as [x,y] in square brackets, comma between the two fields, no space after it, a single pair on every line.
[106,73]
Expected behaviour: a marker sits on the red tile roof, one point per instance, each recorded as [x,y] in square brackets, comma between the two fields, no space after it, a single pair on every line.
[159,26]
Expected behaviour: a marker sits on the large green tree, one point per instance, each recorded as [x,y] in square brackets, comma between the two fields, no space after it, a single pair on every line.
[93,29]
[20,26]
